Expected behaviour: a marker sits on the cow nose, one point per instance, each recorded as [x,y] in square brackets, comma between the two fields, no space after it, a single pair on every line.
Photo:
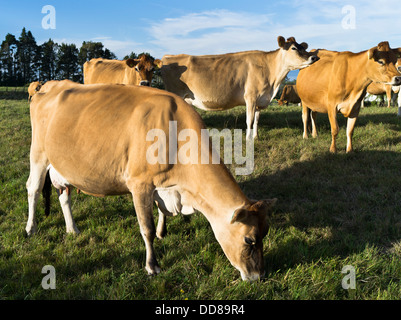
[397,81]
[144,83]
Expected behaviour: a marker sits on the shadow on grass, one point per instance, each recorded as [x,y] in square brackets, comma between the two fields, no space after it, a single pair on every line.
[291,117]
[334,205]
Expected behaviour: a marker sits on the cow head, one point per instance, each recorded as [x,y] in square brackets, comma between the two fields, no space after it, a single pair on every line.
[382,64]
[295,55]
[144,66]
[242,239]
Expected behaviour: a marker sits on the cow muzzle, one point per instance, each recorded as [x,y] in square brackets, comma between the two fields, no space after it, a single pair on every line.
[252,277]
[396,81]
[145,83]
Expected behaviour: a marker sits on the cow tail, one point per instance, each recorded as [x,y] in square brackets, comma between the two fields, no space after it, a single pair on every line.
[46,192]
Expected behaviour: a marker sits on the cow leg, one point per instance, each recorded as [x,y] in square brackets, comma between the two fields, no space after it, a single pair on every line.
[143,202]
[65,202]
[313,115]
[161,230]
[305,117]
[350,131]
[388,94]
[334,130]
[34,187]
[399,104]
[250,116]
[255,124]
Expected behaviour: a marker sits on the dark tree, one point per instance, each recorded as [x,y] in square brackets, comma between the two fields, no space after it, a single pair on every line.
[67,64]
[26,53]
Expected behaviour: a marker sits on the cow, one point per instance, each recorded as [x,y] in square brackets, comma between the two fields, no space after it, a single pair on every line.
[221,82]
[338,83]
[289,95]
[101,158]
[33,88]
[376,88]
[130,71]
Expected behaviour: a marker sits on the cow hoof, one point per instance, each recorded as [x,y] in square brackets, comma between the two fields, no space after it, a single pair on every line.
[155,270]
[161,234]
[74,231]
[31,230]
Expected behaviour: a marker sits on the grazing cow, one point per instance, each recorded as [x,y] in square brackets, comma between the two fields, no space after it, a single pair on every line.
[221,82]
[130,71]
[338,83]
[289,95]
[33,88]
[102,158]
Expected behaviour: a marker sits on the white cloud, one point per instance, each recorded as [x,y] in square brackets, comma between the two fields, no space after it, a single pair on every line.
[211,32]
[119,47]
[314,21]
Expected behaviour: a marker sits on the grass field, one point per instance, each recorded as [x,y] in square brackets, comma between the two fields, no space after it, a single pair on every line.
[332,211]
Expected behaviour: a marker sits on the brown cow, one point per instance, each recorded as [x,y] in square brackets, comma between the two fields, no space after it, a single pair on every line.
[102,158]
[338,83]
[289,95]
[130,71]
[221,82]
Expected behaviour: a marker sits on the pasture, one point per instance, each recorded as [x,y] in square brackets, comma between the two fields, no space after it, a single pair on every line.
[333,210]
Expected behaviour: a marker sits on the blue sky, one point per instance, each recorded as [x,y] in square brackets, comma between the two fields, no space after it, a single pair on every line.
[207,27]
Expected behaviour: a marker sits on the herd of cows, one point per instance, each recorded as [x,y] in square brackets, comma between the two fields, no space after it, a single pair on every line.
[93,136]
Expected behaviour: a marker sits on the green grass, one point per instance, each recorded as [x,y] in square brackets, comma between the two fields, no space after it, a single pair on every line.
[332,211]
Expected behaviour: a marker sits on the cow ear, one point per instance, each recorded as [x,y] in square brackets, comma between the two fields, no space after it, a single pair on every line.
[239,215]
[158,63]
[270,203]
[304,45]
[132,62]
[264,205]
[281,41]
[371,53]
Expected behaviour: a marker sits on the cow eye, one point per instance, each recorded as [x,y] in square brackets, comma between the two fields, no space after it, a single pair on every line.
[294,48]
[381,62]
[137,69]
[249,241]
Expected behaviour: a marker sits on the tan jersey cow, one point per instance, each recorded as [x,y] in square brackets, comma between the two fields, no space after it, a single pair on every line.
[220,82]
[289,95]
[130,71]
[338,83]
[109,149]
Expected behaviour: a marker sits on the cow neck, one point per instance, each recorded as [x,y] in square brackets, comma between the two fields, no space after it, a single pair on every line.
[280,71]
[357,72]
[218,196]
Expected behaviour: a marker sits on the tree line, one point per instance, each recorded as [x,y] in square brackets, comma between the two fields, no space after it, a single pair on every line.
[23,61]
